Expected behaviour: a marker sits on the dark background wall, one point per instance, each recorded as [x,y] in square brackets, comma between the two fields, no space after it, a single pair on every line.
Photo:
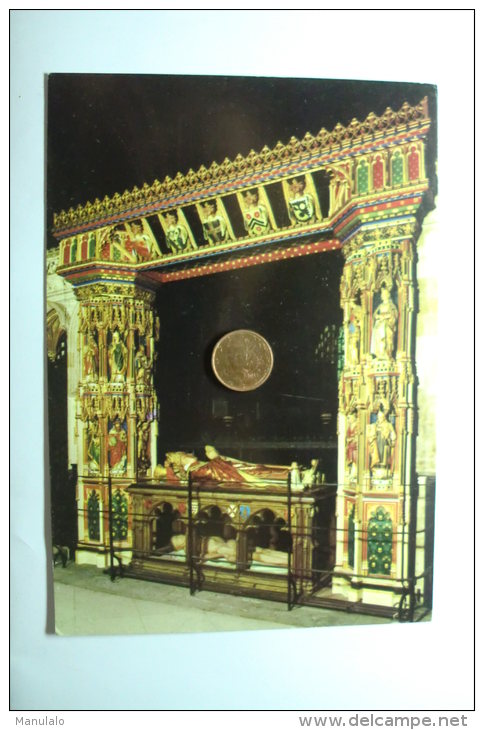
[289,303]
[108,133]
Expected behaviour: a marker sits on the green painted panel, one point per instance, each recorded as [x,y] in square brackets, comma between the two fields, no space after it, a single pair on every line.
[120,516]
[93,525]
[362,178]
[379,544]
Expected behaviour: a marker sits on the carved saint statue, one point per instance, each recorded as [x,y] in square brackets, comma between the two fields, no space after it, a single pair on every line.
[381,439]
[354,333]
[351,447]
[93,447]
[118,358]
[385,320]
[144,460]
[91,359]
[371,270]
[117,448]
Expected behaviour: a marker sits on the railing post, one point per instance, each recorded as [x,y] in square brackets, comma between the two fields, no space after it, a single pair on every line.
[289,525]
[189,541]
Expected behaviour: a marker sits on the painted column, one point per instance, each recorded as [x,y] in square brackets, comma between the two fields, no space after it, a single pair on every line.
[376,413]
[116,408]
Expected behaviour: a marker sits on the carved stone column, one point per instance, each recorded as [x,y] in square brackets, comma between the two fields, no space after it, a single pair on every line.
[377,400]
[117,409]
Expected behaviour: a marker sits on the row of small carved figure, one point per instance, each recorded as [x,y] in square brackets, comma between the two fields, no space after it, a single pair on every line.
[117,446]
[117,314]
[134,241]
[117,360]
[241,165]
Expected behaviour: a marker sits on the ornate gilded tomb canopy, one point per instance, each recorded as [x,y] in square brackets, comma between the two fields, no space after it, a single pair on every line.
[296,199]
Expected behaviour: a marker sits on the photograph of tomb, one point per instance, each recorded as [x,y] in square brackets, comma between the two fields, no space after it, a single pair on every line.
[295,461]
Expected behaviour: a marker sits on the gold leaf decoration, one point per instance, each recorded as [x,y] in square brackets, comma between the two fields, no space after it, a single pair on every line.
[291,152]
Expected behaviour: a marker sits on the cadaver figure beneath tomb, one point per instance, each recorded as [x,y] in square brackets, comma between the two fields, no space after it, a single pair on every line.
[381,438]
[216,548]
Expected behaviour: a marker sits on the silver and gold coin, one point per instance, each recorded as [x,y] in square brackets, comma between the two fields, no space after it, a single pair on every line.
[242,360]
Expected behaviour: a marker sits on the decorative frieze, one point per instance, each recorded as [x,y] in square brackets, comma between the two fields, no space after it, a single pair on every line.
[282,156]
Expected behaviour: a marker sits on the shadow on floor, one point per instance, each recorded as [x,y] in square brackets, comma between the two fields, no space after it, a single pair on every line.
[87,602]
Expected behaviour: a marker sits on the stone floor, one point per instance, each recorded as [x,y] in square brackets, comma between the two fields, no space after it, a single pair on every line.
[87,602]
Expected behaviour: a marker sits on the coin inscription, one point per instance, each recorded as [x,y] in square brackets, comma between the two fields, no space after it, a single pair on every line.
[242,360]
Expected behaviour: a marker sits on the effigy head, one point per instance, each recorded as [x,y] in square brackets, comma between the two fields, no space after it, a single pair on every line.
[211,452]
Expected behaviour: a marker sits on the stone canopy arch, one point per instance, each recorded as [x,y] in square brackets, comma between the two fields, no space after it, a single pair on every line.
[257,210]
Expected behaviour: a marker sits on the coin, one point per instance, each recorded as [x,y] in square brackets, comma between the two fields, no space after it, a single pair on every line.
[242,360]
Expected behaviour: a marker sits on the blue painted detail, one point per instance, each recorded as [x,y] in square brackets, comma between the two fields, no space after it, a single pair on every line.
[380,201]
[249,245]
[362,226]
[103,280]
